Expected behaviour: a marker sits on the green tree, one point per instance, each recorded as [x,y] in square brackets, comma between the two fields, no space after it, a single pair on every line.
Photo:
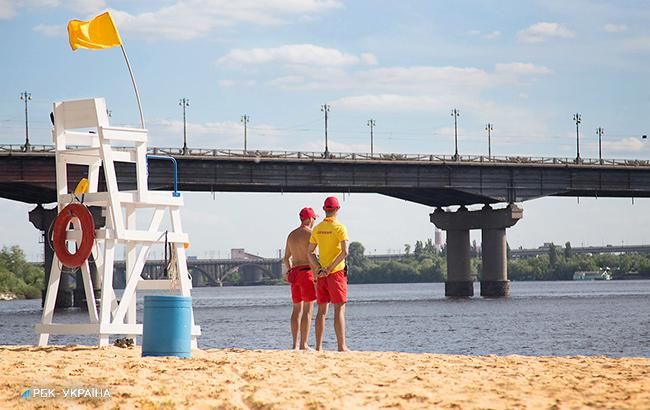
[418,251]
[567,250]
[552,256]
[356,256]
[18,276]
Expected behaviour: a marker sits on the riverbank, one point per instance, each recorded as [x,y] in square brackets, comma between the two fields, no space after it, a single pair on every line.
[285,379]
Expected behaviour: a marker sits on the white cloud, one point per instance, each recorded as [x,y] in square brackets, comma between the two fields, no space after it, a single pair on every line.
[625,145]
[295,54]
[489,36]
[189,19]
[7,9]
[521,69]
[638,44]
[50,31]
[540,32]
[224,134]
[392,103]
[186,20]
[614,28]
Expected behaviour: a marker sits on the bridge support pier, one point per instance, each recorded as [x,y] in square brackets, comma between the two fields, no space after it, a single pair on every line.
[459,278]
[494,277]
[67,296]
[493,224]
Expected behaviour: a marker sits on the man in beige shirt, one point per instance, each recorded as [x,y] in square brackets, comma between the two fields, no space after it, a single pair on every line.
[299,274]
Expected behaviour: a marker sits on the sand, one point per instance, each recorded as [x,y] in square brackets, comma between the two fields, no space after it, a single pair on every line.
[280,379]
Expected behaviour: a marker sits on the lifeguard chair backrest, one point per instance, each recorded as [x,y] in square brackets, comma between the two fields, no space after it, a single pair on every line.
[73,121]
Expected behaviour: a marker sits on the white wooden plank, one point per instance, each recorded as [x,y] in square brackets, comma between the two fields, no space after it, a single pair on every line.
[90,294]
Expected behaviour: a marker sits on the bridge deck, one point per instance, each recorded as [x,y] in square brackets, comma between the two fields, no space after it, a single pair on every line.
[432,180]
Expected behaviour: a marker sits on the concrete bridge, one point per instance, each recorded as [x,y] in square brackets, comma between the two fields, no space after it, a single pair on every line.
[433,180]
[211,272]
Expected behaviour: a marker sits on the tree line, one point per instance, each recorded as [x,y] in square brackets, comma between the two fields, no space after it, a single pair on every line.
[19,277]
[423,262]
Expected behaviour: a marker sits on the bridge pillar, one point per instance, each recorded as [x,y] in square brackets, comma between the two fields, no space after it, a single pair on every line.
[459,278]
[493,224]
[42,220]
[67,296]
[494,277]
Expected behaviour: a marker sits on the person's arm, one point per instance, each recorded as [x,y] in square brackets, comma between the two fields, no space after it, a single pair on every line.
[313,260]
[339,258]
[286,261]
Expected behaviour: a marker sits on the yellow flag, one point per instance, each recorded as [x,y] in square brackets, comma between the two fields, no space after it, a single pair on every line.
[95,34]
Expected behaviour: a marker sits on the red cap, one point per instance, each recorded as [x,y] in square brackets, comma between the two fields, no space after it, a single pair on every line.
[331,203]
[306,213]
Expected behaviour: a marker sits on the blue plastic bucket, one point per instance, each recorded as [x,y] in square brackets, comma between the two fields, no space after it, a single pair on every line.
[167,326]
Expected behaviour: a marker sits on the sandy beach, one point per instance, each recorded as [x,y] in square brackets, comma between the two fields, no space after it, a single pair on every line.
[245,379]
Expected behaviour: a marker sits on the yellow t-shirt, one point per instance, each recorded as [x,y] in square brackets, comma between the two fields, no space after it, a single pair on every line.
[328,236]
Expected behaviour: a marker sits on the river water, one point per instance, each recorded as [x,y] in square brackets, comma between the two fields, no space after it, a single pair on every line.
[539,318]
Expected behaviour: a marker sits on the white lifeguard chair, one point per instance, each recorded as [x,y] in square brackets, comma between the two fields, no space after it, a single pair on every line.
[103,146]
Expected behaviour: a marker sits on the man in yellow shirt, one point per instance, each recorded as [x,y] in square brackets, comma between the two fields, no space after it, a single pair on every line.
[331,239]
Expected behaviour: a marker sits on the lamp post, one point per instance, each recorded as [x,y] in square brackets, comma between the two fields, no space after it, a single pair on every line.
[25,96]
[245,120]
[371,124]
[600,132]
[184,102]
[455,114]
[578,119]
[325,108]
[489,128]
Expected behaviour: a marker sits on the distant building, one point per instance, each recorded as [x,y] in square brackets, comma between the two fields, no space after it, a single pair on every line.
[438,242]
[241,254]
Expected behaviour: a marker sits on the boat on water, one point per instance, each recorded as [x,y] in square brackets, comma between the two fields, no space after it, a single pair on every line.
[602,274]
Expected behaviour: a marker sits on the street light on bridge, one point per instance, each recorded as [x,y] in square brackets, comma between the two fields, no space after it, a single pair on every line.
[371,124]
[578,119]
[325,108]
[245,119]
[600,132]
[184,102]
[25,96]
[489,128]
[455,114]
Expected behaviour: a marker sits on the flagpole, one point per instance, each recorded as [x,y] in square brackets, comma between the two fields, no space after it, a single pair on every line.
[135,87]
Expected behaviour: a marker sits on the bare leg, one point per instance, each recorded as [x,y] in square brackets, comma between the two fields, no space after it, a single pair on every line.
[339,326]
[305,324]
[320,325]
[295,323]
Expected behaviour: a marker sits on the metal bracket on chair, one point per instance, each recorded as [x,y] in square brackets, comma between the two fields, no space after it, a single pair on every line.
[173,160]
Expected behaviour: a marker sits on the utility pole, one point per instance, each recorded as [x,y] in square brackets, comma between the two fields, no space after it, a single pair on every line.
[326,108]
[245,119]
[455,114]
[489,128]
[600,132]
[184,102]
[371,124]
[578,119]
[25,96]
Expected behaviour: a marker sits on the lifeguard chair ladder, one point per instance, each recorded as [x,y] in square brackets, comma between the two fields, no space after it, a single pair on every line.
[104,147]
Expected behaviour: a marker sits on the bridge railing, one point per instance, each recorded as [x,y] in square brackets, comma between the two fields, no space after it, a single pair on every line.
[267,154]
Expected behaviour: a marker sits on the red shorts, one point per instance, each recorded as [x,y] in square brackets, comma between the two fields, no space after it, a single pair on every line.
[301,279]
[332,288]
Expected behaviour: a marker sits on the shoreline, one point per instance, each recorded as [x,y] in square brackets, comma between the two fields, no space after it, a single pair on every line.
[7,296]
[237,378]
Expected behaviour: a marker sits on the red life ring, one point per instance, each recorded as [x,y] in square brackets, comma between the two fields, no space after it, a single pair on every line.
[61,223]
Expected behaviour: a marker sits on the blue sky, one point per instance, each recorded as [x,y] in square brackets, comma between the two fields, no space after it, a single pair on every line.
[526,67]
